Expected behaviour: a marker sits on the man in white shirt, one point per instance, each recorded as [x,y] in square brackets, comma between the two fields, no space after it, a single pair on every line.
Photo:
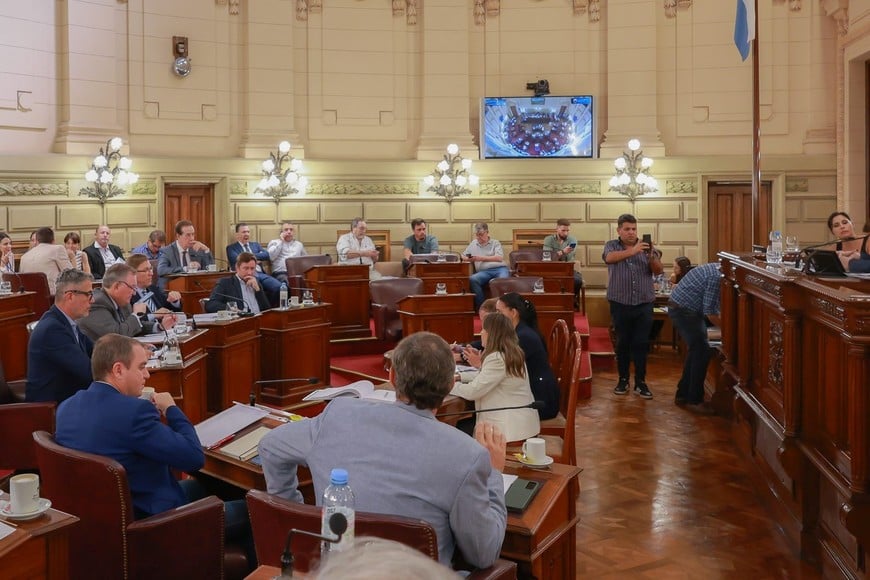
[102,254]
[355,247]
[487,258]
[286,246]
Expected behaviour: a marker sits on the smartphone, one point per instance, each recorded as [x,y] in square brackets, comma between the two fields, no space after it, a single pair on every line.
[457,348]
[572,246]
[467,255]
[647,239]
[520,494]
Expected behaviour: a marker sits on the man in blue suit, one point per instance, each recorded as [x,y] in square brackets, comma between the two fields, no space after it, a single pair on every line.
[59,354]
[244,244]
[185,252]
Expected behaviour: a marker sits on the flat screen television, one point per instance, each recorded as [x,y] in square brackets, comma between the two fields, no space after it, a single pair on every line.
[535,127]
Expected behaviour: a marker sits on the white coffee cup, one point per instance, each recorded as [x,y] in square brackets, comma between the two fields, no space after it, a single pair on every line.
[147,393]
[211,267]
[294,301]
[535,450]
[24,493]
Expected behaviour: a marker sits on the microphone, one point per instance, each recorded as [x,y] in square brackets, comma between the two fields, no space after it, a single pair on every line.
[224,268]
[532,405]
[245,311]
[21,288]
[337,525]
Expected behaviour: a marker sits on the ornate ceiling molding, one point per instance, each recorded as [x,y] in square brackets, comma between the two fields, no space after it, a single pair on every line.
[671,7]
[839,11]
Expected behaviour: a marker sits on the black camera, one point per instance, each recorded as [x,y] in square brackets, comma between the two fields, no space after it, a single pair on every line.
[541,87]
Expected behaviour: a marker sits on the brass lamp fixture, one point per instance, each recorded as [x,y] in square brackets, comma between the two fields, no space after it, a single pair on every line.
[452,175]
[632,176]
[109,173]
[281,174]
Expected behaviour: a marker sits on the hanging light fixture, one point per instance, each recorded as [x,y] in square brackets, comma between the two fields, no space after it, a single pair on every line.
[632,176]
[109,173]
[452,175]
[281,174]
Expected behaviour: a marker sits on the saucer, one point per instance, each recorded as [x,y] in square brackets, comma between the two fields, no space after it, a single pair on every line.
[6,510]
[522,459]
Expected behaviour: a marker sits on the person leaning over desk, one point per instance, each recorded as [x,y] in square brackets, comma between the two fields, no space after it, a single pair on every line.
[401,459]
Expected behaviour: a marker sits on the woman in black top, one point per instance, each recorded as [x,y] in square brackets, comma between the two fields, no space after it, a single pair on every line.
[544,386]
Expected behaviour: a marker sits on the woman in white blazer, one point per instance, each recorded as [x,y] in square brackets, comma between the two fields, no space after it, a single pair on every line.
[502,381]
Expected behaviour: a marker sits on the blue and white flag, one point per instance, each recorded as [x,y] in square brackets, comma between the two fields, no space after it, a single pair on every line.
[744,26]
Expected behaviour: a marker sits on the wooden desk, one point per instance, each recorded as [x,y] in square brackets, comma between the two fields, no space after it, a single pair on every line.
[550,308]
[295,343]
[454,274]
[557,276]
[187,381]
[233,365]
[346,289]
[194,286]
[450,316]
[16,310]
[39,548]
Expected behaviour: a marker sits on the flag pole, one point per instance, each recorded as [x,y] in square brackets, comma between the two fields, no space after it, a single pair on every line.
[756,139]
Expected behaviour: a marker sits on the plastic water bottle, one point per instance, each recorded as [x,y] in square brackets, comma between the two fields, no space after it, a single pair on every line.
[283,303]
[337,498]
[774,250]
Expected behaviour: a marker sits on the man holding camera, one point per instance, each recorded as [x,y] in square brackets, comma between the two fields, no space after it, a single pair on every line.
[631,265]
[562,246]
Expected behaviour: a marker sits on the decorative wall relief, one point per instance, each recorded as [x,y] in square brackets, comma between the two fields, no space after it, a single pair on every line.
[797,185]
[581,188]
[21,188]
[672,5]
[774,371]
[681,186]
[145,188]
[238,188]
[405,188]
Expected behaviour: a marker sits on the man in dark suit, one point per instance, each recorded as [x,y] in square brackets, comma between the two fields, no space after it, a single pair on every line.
[186,252]
[102,254]
[244,287]
[157,302]
[244,244]
[112,312]
[58,354]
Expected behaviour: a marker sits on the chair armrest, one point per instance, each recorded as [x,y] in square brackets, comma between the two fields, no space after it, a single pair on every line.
[501,570]
[556,431]
[190,537]
[379,315]
[18,389]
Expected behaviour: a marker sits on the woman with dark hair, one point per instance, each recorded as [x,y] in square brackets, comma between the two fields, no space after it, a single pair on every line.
[501,382]
[854,253]
[522,314]
[73,244]
[682,265]
[7,258]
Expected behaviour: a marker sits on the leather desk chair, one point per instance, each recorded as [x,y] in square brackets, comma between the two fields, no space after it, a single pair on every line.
[18,421]
[184,543]
[527,255]
[272,517]
[34,282]
[296,268]
[385,296]
[501,286]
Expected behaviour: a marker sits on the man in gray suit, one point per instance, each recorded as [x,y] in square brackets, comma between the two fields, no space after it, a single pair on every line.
[111,311]
[401,459]
[185,252]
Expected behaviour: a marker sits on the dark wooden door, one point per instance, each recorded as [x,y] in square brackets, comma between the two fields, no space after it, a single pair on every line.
[730,217]
[194,202]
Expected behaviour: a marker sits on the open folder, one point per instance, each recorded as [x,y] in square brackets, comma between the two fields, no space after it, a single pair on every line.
[361,389]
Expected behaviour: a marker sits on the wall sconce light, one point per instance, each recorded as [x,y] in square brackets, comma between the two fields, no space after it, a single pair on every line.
[181,64]
[109,172]
[451,176]
[632,176]
[280,181]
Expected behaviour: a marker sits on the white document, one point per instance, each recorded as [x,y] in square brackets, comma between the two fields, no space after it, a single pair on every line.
[508,480]
[212,317]
[358,389]
[156,338]
[226,423]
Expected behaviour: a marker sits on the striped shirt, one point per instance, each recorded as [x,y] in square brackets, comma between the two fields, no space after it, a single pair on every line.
[629,281]
[699,290]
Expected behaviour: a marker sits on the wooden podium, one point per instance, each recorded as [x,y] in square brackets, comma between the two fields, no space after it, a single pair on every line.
[194,286]
[186,382]
[16,310]
[454,274]
[233,348]
[550,308]
[295,343]
[450,316]
[346,289]
[558,276]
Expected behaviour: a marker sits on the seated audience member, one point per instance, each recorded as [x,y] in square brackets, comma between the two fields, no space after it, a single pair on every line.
[355,247]
[113,311]
[102,254]
[33,241]
[525,319]
[73,244]
[58,354]
[152,248]
[286,246]
[682,265]
[379,558]
[46,257]
[108,418]
[562,247]
[157,302]
[244,287]
[418,243]
[243,243]
[7,257]
[840,225]
[487,260]
[502,381]
[185,253]
[401,459]
[487,308]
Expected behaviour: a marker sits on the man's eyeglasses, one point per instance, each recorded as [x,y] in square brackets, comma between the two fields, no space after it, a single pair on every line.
[89,293]
[144,270]
[127,285]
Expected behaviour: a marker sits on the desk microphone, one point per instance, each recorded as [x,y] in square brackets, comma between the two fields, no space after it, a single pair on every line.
[532,405]
[245,310]
[337,525]
[224,268]
[21,288]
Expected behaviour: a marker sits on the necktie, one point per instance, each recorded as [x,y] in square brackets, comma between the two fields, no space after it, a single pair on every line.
[247,248]
[184,259]
[80,339]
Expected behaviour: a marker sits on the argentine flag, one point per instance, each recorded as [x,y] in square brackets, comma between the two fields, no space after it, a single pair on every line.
[744,26]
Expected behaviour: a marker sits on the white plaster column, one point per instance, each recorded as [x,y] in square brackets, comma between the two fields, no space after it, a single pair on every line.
[632,92]
[445,83]
[88,49]
[267,84]
[822,74]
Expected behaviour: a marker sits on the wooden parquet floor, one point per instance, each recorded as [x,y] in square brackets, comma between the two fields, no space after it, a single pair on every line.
[665,494]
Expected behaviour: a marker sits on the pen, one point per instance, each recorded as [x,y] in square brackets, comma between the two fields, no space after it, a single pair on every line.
[226,439]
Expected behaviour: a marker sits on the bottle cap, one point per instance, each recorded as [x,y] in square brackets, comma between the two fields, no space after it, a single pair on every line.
[338,476]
